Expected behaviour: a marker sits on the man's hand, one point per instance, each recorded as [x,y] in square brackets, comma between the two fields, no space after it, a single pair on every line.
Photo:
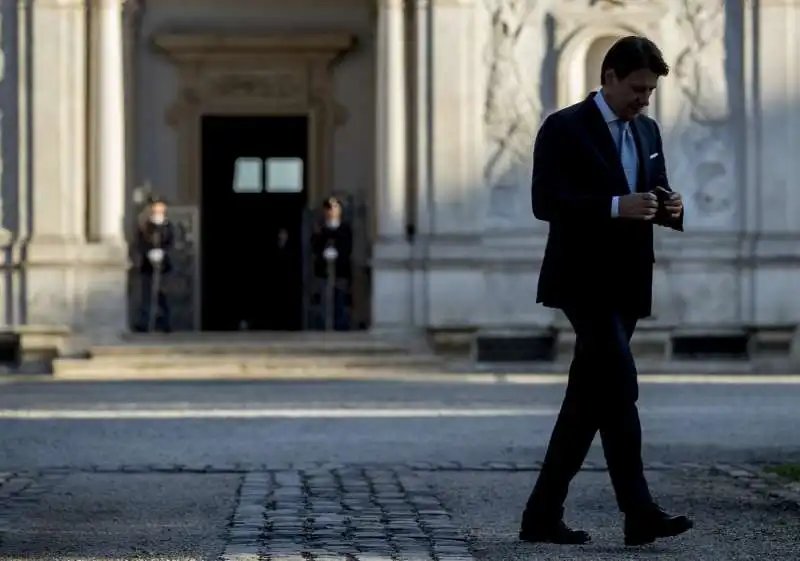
[674,204]
[639,206]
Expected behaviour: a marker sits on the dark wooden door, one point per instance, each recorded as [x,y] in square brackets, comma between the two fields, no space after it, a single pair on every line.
[253,186]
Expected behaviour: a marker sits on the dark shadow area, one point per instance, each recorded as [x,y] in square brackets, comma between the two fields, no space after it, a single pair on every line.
[711,347]
[515,348]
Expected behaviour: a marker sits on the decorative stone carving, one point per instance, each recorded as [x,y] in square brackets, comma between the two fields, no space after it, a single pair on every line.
[703,151]
[604,5]
[512,111]
[276,86]
[607,4]
[272,75]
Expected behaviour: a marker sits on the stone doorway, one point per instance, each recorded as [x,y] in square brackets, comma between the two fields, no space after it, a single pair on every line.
[237,76]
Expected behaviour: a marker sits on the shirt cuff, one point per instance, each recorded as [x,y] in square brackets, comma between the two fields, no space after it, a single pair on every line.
[614,207]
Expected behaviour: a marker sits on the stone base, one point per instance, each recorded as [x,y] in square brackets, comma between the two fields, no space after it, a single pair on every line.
[80,286]
[461,288]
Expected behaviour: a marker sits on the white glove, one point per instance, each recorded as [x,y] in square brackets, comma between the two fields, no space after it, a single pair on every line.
[330,253]
[155,255]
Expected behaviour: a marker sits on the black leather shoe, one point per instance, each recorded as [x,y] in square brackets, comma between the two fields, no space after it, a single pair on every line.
[552,532]
[646,527]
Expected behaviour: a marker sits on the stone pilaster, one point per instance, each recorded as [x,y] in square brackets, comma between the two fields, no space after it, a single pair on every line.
[392,293]
[70,281]
[453,272]
[457,138]
[391,104]
[56,99]
[108,123]
[772,200]
[423,193]
[58,135]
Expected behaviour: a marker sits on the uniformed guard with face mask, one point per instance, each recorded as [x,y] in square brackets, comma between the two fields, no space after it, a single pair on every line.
[155,239]
[332,244]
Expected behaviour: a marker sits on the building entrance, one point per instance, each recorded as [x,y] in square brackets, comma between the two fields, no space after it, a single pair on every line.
[253,200]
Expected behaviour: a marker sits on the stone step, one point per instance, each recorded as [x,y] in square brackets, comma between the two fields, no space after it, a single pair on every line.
[63,369]
[251,361]
[239,347]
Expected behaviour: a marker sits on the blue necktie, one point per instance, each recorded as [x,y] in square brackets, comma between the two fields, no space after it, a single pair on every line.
[627,153]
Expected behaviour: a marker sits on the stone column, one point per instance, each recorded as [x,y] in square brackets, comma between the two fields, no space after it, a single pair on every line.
[108,101]
[392,294]
[391,160]
[422,180]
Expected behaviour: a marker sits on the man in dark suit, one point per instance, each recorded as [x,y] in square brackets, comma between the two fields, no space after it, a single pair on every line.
[600,181]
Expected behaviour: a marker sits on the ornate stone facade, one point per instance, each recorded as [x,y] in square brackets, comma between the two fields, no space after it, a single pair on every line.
[513,109]
[431,141]
[703,142]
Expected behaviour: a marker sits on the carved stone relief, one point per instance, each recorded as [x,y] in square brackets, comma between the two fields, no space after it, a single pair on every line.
[702,151]
[607,4]
[513,110]
[272,85]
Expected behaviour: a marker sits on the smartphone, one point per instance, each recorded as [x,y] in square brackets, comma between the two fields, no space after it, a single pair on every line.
[662,194]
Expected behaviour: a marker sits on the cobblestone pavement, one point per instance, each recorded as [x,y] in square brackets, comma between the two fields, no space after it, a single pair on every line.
[368,472]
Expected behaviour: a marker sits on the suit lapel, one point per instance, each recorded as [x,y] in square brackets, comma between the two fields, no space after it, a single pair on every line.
[601,138]
[642,151]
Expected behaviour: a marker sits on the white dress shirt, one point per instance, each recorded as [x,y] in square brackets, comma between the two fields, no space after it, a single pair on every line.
[623,140]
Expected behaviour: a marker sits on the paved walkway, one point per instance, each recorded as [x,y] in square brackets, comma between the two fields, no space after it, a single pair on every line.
[364,472]
[414,512]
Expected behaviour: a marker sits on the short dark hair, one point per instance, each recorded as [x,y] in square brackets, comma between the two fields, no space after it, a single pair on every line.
[633,53]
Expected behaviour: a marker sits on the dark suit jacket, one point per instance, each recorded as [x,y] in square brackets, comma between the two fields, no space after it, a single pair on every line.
[593,261]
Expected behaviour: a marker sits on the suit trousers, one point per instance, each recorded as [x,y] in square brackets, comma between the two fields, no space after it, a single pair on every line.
[602,391]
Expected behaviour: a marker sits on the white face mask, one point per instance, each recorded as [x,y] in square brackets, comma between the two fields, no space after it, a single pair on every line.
[157,219]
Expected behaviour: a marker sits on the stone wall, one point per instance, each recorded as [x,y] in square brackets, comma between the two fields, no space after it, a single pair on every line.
[730,116]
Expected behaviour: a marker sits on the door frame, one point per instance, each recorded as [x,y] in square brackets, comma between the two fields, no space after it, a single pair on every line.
[265,75]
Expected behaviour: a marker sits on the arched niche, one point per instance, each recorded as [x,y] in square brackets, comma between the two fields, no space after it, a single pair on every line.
[581,54]
[594,60]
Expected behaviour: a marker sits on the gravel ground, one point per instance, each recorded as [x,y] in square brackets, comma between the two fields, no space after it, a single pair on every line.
[731,523]
[122,516]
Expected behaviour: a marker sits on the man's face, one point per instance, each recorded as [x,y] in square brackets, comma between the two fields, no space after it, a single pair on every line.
[629,96]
